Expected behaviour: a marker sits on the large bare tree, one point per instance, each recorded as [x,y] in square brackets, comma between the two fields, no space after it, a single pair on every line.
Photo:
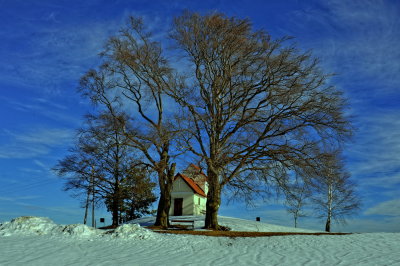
[250,103]
[135,73]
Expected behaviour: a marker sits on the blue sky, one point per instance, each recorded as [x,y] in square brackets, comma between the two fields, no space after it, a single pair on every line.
[46,46]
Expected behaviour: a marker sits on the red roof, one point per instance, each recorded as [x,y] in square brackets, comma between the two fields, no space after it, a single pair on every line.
[191,184]
[198,169]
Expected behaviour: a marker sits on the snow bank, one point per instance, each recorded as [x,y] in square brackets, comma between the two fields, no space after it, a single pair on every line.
[28,225]
[80,230]
[129,231]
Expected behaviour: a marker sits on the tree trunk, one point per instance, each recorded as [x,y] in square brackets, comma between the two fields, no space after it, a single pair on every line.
[115,203]
[330,199]
[213,202]
[165,182]
[93,201]
[115,211]
[93,219]
[86,207]
[328,224]
[164,204]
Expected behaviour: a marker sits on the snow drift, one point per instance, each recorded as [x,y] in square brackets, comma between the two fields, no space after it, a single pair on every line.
[79,230]
[29,225]
[132,231]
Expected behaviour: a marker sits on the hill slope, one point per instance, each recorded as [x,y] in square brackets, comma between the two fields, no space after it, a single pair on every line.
[235,224]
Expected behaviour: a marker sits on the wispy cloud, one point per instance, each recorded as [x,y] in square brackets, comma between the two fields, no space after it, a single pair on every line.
[54,56]
[57,50]
[373,34]
[33,142]
[387,208]
[357,39]
[386,224]
[15,199]
[40,164]
[46,108]
[374,157]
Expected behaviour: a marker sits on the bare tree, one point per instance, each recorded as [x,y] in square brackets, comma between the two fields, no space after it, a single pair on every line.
[250,103]
[101,163]
[135,70]
[297,195]
[334,197]
[78,170]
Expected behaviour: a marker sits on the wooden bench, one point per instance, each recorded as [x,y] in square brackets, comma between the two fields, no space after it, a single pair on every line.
[181,221]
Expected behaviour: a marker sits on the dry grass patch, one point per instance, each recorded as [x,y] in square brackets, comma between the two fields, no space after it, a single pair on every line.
[240,234]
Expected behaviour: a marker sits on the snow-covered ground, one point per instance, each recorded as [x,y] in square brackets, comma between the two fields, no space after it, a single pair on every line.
[234,223]
[39,241]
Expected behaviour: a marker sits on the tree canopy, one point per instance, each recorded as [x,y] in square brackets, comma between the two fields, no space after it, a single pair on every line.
[251,108]
[102,164]
[251,102]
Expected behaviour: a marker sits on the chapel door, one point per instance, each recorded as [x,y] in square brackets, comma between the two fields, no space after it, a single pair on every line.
[178,206]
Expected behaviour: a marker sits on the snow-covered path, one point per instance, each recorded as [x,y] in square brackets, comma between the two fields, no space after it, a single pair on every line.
[159,249]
